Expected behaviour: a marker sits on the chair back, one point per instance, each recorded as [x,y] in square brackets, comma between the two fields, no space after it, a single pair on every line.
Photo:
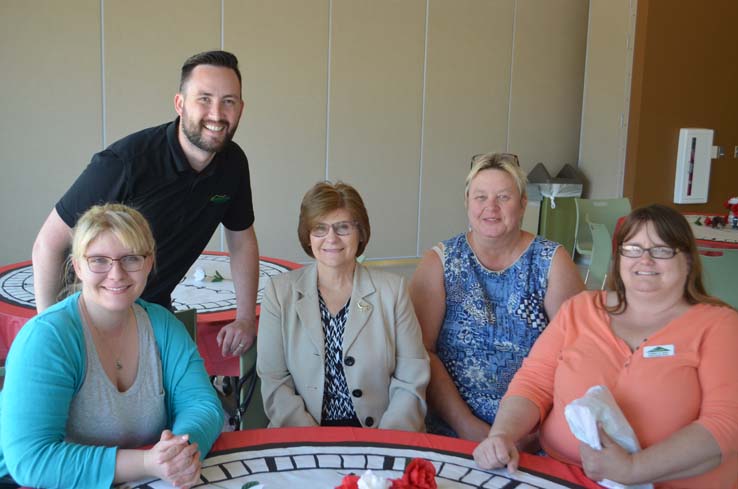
[188,317]
[719,271]
[250,405]
[603,211]
[599,265]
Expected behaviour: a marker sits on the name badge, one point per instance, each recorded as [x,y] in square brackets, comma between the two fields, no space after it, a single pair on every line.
[656,351]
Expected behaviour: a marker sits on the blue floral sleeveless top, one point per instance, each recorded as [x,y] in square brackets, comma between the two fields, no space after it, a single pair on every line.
[492,320]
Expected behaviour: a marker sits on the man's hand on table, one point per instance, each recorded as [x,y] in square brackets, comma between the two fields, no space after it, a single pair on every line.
[237,337]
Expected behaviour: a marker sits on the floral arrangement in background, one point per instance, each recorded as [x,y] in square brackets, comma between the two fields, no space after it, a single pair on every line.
[419,474]
[729,219]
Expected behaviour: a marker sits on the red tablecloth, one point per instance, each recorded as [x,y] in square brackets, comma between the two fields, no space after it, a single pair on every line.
[17,307]
[296,436]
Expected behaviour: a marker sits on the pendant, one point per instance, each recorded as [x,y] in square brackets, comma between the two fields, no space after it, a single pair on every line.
[118,365]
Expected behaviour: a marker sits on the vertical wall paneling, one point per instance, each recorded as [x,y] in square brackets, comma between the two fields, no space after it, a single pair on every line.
[547,84]
[50,98]
[466,104]
[376,89]
[145,45]
[282,49]
[605,105]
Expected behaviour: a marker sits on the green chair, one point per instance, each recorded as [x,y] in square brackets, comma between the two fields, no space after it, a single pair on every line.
[250,406]
[599,265]
[603,211]
[188,317]
[559,223]
[719,270]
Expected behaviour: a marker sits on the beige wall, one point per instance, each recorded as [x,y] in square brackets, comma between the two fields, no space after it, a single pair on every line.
[393,96]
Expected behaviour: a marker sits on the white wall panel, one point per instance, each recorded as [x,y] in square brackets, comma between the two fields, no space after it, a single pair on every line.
[375,113]
[466,106]
[282,46]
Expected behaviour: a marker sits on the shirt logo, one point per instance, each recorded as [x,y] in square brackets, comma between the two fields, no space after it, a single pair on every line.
[220,199]
[658,351]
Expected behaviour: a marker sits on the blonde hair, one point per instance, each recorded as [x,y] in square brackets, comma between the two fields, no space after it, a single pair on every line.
[324,198]
[506,162]
[125,223]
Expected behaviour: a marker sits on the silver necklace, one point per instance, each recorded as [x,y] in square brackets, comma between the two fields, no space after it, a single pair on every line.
[119,350]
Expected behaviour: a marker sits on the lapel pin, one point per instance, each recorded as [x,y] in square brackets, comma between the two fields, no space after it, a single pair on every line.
[364,306]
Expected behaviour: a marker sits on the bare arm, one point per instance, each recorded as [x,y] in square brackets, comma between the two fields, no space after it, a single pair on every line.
[238,336]
[564,282]
[49,250]
[516,417]
[428,295]
[689,452]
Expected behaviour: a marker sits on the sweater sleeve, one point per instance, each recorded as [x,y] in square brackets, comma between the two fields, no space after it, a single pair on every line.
[193,406]
[408,382]
[535,378]
[719,380]
[44,370]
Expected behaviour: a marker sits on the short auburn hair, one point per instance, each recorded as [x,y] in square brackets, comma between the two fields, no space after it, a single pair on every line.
[324,198]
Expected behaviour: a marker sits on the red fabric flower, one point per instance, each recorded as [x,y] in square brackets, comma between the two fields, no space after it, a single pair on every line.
[419,474]
[350,481]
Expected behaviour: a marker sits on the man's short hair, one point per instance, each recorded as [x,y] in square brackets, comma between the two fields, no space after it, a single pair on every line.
[213,58]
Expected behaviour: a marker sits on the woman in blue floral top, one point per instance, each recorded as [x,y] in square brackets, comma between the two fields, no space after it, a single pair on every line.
[483,297]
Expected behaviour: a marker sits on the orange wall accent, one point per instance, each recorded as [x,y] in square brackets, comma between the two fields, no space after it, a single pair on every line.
[685,74]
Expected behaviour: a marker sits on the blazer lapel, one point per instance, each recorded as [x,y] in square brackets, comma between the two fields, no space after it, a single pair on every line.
[308,309]
[362,306]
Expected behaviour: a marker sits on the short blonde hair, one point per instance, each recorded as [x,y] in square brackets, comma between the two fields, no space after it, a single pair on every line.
[128,225]
[324,198]
[506,162]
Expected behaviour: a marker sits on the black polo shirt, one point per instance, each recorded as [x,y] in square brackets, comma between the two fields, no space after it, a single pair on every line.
[149,172]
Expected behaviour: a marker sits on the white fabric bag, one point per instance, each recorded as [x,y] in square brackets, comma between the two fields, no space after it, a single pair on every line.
[598,406]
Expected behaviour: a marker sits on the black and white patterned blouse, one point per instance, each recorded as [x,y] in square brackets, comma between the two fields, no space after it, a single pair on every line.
[337,406]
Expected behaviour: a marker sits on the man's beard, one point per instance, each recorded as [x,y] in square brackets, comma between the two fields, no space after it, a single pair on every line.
[194,133]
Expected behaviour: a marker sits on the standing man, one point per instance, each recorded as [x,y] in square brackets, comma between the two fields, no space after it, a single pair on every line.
[185,177]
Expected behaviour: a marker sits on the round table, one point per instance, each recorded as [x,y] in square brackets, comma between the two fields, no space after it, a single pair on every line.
[320,457]
[214,299]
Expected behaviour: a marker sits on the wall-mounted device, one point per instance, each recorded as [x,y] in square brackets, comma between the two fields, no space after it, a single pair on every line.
[693,166]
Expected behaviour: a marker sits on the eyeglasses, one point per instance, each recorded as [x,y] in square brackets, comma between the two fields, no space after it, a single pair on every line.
[103,264]
[341,228]
[657,252]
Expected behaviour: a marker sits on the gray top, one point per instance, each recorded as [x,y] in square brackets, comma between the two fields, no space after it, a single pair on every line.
[101,415]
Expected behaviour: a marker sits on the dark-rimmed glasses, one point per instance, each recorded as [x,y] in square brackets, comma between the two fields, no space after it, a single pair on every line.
[103,264]
[341,228]
[657,252]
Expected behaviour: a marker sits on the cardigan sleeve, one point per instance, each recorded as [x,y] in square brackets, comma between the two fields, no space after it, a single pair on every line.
[44,370]
[193,406]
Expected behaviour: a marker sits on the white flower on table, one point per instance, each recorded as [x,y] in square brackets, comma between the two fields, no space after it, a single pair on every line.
[371,481]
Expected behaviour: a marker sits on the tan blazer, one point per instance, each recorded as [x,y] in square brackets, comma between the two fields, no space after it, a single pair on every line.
[387,368]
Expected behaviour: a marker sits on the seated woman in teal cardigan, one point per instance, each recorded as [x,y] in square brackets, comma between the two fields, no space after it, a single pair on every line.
[103,372]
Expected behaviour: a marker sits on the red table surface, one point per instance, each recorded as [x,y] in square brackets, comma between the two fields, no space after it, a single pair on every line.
[253,438]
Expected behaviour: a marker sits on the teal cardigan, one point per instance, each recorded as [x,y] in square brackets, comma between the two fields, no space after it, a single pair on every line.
[44,370]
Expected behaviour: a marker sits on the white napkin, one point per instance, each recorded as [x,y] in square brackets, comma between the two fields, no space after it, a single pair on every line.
[598,406]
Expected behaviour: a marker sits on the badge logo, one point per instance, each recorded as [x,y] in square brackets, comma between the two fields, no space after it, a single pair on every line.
[656,351]
[220,198]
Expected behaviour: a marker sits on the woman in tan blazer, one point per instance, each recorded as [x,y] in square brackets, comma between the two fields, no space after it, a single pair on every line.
[339,344]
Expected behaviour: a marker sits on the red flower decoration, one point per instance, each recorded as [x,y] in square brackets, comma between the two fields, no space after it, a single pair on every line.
[350,481]
[419,474]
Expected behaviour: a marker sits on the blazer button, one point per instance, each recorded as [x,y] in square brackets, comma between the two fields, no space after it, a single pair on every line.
[349,361]
[356,393]
[369,421]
